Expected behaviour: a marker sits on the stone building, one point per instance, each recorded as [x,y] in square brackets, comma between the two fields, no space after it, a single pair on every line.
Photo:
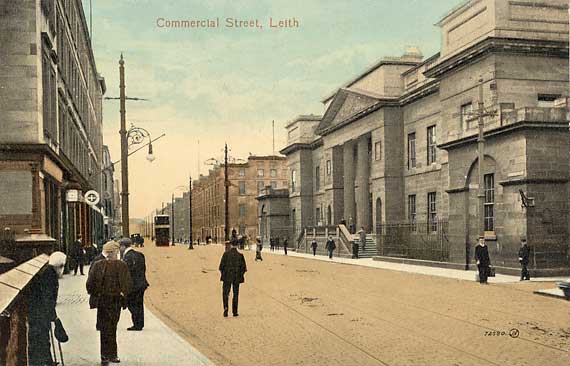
[51,118]
[396,150]
[108,196]
[247,180]
[274,220]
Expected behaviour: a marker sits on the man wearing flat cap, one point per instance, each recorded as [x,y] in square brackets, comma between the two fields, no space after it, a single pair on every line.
[137,267]
[108,283]
[232,269]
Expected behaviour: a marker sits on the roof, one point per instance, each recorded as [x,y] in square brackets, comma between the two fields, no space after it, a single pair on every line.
[304,117]
[382,62]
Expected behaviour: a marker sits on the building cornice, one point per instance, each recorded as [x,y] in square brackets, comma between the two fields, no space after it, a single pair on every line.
[363,113]
[499,45]
[501,130]
[522,181]
[43,149]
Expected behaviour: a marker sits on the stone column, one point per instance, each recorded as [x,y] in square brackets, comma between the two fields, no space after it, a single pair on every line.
[348,180]
[363,177]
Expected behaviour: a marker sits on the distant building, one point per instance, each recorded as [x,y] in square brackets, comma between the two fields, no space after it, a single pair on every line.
[396,149]
[273,215]
[247,180]
[108,195]
[51,118]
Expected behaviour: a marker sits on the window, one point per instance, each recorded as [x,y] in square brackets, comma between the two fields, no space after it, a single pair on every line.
[273,172]
[260,186]
[242,210]
[431,145]
[328,167]
[317,215]
[411,150]
[317,178]
[241,172]
[241,184]
[489,187]
[412,210]
[377,150]
[293,180]
[466,114]
[547,100]
[260,172]
[432,211]
[273,185]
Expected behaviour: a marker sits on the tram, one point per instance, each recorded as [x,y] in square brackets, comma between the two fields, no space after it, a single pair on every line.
[162,230]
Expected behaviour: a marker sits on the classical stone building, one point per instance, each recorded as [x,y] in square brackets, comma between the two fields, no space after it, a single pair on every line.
[247,180]
[51,119]
[396,150]
[274,220]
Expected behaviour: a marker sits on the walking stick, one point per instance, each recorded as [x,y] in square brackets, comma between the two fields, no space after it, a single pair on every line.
[60,353]
[52,344]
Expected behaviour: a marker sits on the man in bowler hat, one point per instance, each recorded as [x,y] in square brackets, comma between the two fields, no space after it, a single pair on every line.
[137,267]
[232,269]
[524,255]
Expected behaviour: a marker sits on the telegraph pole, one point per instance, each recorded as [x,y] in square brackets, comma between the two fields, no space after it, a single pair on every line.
[481,160]
[172,215]
[227,193]
[190,245]
[124,152]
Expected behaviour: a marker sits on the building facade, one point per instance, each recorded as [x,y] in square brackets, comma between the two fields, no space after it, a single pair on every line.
[246,181]
[397,146]
[108,196]
[51,118]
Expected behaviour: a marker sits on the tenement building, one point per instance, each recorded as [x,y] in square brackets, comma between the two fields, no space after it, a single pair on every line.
[397,150]
[246,181]
[50,119]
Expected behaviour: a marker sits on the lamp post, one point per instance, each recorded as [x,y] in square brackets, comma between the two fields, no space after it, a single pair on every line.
[190,239]
[213,161]
[480,114]
[125,148]
[172,215]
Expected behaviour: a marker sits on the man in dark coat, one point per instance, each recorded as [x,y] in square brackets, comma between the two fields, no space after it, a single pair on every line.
[285,245]
[78,256]
[137,268]
[330,247]
[524,256]
[108,283]
[314,245]
[483,260]
[232,269]
[41,311]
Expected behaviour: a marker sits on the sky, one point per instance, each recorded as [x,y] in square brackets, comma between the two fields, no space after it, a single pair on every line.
[208,86]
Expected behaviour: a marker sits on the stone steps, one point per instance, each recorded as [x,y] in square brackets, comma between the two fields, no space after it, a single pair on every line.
[369,251]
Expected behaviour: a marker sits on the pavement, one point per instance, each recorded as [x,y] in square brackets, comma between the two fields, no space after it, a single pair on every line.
[417,269]
[431,271]
[155,345]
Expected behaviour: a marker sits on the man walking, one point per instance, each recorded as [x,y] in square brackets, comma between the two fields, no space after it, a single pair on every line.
[258,249]
[483,260]
[285,245]
[137,268]
[314,246]
[78,256]
[524,255]
[330,246]
[108,283]
[232,270]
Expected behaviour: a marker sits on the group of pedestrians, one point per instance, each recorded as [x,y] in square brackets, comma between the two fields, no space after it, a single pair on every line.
[484,267]
[116,281]
[115,284]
